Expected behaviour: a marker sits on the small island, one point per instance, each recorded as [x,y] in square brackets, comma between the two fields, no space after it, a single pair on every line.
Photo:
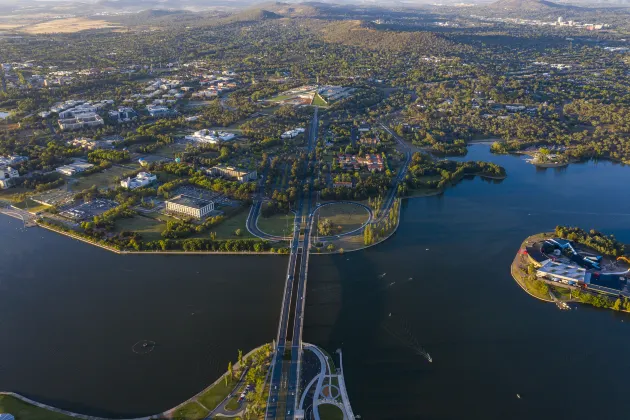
[571,265]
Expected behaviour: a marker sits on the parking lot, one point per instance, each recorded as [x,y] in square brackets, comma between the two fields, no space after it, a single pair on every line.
[87,211]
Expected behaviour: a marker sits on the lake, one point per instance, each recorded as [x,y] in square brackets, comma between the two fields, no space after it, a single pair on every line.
[442,284]
[70,313]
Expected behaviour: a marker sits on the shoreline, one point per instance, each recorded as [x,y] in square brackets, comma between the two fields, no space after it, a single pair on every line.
[119,252]
[552,288]
[163,415]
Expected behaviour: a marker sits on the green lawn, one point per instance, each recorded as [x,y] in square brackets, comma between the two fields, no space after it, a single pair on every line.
[277,225]
[213,397]
[348,216]
[330,412]
[232,405]
[31,206]
[11,194]
[226,229]
[282,98]
[319,101]
[191,411]
[104,179]
[150,229]
[24,411]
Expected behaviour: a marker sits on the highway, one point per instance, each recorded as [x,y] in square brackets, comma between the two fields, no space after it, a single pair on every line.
[391,196]
[285,373]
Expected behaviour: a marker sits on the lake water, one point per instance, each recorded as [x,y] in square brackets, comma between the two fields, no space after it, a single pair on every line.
[489,340]
[70,313]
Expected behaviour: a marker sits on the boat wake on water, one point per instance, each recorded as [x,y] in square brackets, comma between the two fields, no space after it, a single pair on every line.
[401,331]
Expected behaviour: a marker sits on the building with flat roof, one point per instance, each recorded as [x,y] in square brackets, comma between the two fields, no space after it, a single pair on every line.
[80,121]
[7,175]
[292,133]
[210,136]
[563,273]
[74,168]
[141,180]
[238,174]
[159,111]
[123,114]
[189,206]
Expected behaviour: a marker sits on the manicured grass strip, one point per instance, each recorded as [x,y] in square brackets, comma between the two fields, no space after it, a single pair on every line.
[329,412]
[24,411]
[232,405]
[277,225]
[191,411]
[213,397]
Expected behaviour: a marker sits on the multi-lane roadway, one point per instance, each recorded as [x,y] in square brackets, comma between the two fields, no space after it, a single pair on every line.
[285,373]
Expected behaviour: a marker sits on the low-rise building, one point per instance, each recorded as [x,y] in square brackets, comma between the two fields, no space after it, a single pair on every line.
[11,160]
[7,176]
[123,114]
[370,141]
[90,144]
[292,133]
[343,184]
[74,168]
[240,175]
[80,121]
[159,111]
[141,180]
[373,163]
[209,136]
[571,274]
[189,206]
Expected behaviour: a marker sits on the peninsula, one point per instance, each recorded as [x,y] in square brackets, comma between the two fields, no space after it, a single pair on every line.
[574,265]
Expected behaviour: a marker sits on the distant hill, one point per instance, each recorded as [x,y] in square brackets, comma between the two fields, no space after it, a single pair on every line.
[253,15]
[312,9]
[529,6]
[359,34]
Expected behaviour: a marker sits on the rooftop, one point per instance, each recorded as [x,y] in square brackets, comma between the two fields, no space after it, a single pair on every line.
[188,201]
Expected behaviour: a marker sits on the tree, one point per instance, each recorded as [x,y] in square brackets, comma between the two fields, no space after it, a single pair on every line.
[617,305]
[237,232]
[240,358]
[230,372]
[367,235]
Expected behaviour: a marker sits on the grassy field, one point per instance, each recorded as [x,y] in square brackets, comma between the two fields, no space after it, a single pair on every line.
[235,221]
[104,179]
[232,405]
[11,194]
[213,397]
[24,411]
[191,411]
[277,225]
[319,101]
[150,229]
[330,412]
[348,216]
[67,26]
[31,206]
[282,98]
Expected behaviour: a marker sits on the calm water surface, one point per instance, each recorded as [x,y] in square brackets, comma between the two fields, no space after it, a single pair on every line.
[70,313]
[488,339]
